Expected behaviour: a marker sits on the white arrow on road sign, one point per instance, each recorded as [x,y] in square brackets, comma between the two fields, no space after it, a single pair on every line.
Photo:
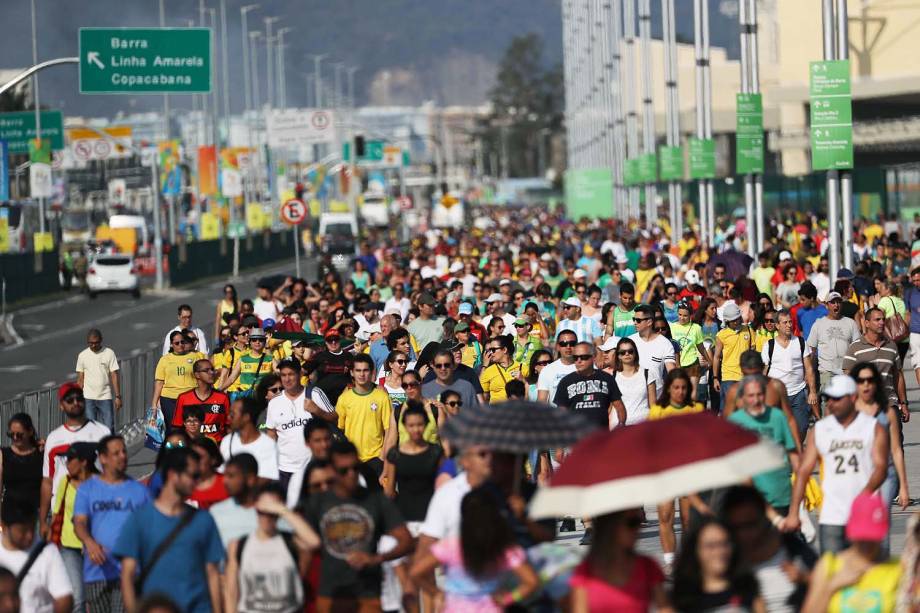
[93,58]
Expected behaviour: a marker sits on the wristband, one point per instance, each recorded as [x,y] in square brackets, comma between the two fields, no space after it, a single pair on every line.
[776,521]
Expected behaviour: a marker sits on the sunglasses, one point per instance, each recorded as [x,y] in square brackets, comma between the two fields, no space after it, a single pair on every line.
[411,384]
[442,366]
[322,485]
[769,321]
[454,403]
[626,352]
[865,379]
[16,435]
[401,362]
[542,363]
[583,357]
[242,333]
[638,320]
[333,339]
[344,470]
[276,390]
[567,343]
[672,293]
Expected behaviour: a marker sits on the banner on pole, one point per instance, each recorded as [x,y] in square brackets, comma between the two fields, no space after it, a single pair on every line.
[702,158]
[4,171]
[671,163]
[207,171]
[170,173]
[647,168]
[831,115]
[589,193]
[210,227]
[749,156]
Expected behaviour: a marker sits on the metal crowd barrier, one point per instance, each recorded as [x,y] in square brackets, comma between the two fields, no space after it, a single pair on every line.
[136,377]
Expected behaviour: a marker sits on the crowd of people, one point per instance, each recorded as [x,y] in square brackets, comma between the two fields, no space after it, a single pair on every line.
[302,465]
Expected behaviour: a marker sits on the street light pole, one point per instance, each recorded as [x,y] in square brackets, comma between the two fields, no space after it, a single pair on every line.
[254,37]
[280,70]
[244,13]
[165,96]
[270,60]
[846,178]
[351,85]
[318,76]
[38,114]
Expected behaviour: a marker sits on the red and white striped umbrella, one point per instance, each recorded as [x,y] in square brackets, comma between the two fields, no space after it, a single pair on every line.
[652,462]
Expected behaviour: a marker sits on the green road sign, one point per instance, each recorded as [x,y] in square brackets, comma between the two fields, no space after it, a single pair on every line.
[648,168]
[702,158]
[18,128]
[631,172]
[671,161]
[373,152]
[589,193]
[831,115]
[145,60]
[749,155]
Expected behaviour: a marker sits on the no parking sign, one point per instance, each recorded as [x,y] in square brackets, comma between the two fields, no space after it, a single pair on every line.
[293,212]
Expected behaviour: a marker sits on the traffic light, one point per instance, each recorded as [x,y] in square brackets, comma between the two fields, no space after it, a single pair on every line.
[359,146]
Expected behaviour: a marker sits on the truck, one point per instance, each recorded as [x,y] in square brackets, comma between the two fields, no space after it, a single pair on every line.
[375,210]
[338,239]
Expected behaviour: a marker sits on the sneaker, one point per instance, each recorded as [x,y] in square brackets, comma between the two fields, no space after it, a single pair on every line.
[568,525]
[586,539]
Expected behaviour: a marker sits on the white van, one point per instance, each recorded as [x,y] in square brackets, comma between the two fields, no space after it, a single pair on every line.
[338,238]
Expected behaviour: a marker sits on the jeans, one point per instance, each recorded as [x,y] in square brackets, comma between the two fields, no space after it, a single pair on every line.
[73,564]
[102,411]
[801,410]
[888,491]
[832,538]
[168,406]
[726,387]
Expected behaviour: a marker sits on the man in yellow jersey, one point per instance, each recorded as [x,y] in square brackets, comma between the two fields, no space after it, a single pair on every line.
[364,416]
[731,342]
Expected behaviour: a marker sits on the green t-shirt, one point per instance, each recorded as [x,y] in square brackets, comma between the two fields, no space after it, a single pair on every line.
[688,337]
[623,324]
[775,485]
[891,305]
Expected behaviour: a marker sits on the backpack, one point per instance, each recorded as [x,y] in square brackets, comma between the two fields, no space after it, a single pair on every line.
[771,345]
[288,539]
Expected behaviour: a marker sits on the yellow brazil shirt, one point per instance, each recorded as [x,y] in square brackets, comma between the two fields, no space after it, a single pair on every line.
[228,360]
[365,418]
[494,378]
[876,590]
[734,343]
[175,371]
[68,536]
[659,412]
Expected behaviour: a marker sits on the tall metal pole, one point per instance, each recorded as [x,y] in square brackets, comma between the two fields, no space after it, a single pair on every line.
[157,224]
[215,100]
[673,113]
[846,178]
[833,213]
[254,37]
[165,96]
[225,71]
[648,109]
[707,117]
[205,106]
[700,120]
[38,114]
[608,85]
[318,77]
[351,85]
[337,81]
[629,90]
[270,61]
[282,85]
[743,7]
[619,140]
[244,31]
[755,88]
[566,75]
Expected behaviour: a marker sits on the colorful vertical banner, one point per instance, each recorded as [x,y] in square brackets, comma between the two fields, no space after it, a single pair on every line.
[210,227]
[207,171]
[40,151]
[4,230]
[170,173]
[4,171]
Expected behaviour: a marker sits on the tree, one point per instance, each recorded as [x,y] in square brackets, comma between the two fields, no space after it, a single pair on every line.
[527,108]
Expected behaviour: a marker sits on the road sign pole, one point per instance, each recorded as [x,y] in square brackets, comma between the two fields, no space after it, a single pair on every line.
[746,89]
[38,116]
[296,231]
[846,179]
[833,214]
[755,88]
[700,122]
[157,229]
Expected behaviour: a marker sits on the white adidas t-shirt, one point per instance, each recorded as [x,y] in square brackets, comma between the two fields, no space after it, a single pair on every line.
[287,418]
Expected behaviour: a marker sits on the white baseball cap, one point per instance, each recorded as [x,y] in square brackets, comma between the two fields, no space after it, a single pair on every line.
[840,386]
[572,301]
[579,274]
[692,277]
[731,312]
[456,267]
[784,255]
[496,297]
[610,344]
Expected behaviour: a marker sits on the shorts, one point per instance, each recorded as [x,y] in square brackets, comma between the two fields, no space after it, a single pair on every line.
[915,349]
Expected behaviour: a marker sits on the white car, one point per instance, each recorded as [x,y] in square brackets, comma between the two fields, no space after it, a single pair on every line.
[113,273]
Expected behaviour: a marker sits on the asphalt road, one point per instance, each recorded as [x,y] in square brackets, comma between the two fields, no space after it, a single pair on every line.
[51,335]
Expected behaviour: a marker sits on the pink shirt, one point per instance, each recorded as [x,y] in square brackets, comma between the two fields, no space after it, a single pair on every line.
[634,597]
[465,593]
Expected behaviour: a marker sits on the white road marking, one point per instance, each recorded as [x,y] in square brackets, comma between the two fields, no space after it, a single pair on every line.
[18,368]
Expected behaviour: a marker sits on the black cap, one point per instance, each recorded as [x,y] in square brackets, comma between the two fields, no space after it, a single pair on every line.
[82,450]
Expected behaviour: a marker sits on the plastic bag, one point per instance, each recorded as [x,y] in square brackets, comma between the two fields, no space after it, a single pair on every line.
[154,428]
